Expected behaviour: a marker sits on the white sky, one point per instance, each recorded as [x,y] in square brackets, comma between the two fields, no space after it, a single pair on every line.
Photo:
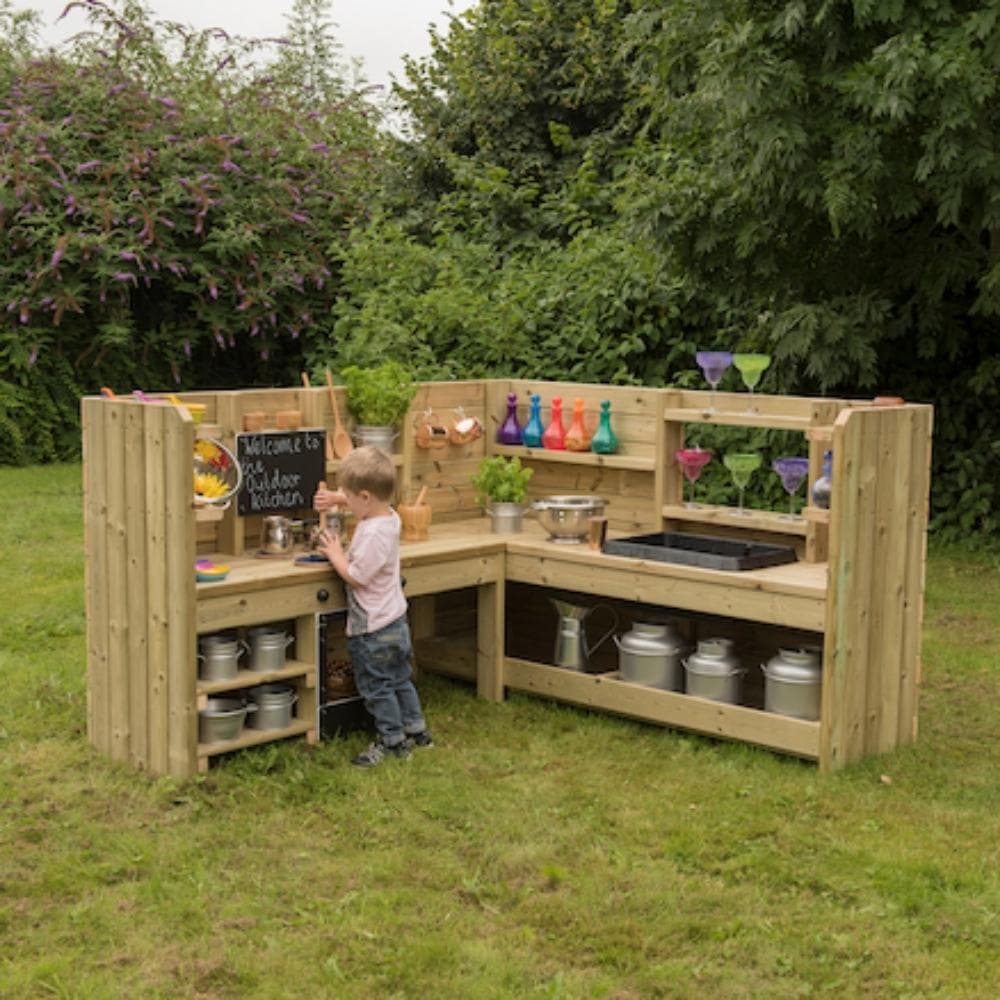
[378,32]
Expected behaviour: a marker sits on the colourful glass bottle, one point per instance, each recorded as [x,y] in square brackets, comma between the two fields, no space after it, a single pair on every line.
[531,436]
[554,437]
[510,429]
[604,441]
[577,438]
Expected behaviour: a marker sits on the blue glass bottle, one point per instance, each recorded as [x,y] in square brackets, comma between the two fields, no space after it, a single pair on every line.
[531,436]
[604,441]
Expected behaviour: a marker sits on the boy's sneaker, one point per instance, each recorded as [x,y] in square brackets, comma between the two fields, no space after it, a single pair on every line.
[378,751]
[423,739]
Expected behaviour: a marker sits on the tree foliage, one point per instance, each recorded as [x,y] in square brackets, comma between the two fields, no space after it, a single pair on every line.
[593,188]
[166,207]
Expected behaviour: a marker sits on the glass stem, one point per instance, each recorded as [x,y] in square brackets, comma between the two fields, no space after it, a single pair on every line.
[741,500]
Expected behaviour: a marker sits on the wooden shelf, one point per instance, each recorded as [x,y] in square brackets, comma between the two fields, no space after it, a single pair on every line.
[817,515]
[758,520]
[729,418]
[251,678]
[608,693]
[209,513]
[637,463]
[334,463]
[254,737]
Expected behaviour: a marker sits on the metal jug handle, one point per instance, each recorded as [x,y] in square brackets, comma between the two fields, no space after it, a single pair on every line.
[610,632]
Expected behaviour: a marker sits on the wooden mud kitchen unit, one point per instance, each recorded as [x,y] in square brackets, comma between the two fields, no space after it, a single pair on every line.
[478,606]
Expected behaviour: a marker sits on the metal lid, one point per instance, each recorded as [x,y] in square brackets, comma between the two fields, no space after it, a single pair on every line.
[651,639]
[794,666]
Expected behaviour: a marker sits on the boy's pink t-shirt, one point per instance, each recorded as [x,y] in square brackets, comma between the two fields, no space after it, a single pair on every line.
[373,561]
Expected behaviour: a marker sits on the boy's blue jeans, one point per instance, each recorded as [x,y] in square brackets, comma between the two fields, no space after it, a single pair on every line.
[383,667]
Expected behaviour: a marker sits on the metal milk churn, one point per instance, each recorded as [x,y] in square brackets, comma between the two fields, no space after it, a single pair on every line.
[650,654]
[792,684]
[714,672]
[572,650]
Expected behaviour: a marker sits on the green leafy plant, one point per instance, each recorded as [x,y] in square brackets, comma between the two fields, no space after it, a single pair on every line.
[379,396]
[502,480]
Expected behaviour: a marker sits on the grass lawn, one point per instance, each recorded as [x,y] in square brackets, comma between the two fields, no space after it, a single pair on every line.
[536,851]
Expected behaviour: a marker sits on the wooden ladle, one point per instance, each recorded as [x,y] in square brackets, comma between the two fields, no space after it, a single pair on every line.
[342,444]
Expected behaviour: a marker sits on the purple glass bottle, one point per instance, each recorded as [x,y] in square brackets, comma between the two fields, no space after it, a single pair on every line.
[510,429]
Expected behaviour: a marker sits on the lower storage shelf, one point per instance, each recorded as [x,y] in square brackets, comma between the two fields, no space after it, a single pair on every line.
[607,692]
[253,737]
[250,678]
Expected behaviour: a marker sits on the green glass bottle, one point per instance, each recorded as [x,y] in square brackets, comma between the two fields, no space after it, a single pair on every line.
[604,441]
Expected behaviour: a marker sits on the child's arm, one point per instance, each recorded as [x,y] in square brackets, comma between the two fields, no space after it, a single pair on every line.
[324,499]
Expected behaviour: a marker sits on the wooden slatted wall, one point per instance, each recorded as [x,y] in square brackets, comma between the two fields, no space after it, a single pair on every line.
[633,495]
[140,592]
[878,530]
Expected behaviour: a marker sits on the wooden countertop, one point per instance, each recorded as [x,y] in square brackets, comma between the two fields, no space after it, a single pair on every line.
[473,538]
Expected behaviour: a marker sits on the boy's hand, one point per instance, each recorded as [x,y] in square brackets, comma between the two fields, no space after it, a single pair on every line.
[324,499]
[329,545]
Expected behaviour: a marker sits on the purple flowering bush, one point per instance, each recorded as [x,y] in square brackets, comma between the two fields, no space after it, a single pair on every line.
[167,203]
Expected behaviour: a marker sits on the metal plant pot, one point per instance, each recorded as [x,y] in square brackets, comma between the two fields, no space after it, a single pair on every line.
[268,649]
[507,517]
[222,719]
[274,704]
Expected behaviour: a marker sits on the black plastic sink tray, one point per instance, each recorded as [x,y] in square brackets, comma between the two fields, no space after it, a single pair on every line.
[701,550]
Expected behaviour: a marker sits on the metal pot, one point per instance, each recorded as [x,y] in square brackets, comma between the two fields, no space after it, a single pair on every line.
[792,683]
[713,671]
[219,657]
[276,535]
[507,517]
[376,436]
[650,654]
[274,706]
[268,648]
[222,719]
[567,518]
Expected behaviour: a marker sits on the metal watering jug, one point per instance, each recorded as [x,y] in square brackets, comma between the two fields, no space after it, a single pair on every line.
[572,650]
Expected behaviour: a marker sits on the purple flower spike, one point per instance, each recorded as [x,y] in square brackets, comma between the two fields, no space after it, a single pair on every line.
[320,147]
[25,315]
[230,167]
[220,340]
[84,168]
[187,349]
[33,356]
[56,257]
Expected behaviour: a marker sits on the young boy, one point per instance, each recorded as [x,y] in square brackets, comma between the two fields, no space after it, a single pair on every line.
[378,636]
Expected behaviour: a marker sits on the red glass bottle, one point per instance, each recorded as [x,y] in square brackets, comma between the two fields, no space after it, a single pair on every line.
[554,437]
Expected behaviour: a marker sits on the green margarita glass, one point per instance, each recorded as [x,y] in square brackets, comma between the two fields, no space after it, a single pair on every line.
[741,465]
[751,367]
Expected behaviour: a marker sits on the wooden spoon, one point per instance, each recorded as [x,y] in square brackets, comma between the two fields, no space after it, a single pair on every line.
[420,497]
[342,444]
[322,513]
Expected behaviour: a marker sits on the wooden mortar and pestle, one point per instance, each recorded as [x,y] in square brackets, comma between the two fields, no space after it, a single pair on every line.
[415,518]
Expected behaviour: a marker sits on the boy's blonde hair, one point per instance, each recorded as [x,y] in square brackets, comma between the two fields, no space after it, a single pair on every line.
[370,469]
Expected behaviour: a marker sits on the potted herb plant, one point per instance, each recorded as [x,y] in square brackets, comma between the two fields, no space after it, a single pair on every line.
[378,398]
[501,486]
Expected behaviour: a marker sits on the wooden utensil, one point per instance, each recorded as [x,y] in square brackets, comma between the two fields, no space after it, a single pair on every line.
[420,497]
[322,513]
[342,444]
[306,384]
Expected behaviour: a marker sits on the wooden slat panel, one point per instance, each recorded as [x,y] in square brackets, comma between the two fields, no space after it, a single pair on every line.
[158,691]
[178,443]
[137,558]
[916,568]
[611,694]
[852,572]
[117,583]
[94,414]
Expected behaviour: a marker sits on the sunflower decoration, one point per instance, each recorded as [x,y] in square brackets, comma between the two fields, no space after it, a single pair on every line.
[217,474]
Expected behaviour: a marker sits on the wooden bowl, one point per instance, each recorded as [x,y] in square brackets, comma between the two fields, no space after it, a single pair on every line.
[288,420]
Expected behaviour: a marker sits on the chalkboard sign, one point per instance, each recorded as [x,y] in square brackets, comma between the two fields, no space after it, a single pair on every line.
[281,469]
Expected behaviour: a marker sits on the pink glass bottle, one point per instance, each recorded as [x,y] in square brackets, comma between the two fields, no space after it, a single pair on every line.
[554,437]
